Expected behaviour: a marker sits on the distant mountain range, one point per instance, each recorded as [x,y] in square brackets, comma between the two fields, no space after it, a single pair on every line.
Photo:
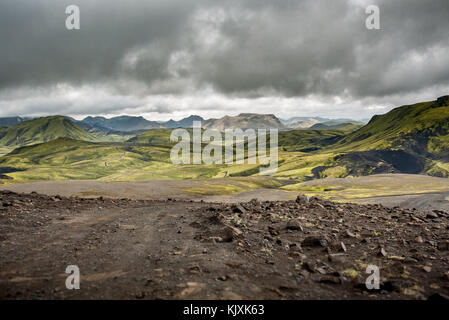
[133,124]
[128,123]
[322,123]
[18,131]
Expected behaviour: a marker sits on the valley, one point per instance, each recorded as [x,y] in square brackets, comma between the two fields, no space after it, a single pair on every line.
[407,140]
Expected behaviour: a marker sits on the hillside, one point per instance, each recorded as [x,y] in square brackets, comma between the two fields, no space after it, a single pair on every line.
[408,139]
[67,159]
[156,137]
[411,139]
[43,130]
[308,140]
[347,126]
[3,131]
[409,127]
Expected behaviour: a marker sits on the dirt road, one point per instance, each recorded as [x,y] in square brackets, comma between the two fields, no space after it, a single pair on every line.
[305,249]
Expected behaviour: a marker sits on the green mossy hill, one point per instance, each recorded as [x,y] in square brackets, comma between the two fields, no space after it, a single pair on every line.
[409,127]
[42,130]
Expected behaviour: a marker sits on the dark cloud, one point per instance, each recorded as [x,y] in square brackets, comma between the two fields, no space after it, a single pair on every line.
[243,49]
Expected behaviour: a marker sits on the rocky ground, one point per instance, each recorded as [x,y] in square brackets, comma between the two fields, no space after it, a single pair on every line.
[299,249]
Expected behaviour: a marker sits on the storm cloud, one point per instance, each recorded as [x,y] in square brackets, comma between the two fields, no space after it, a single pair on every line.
[171,58]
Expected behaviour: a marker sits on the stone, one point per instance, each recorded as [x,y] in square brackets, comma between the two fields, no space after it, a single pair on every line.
[330,279]
[321,270]
[294,225]
[336,257]
[302,199]
[432,215]
[443,245]
[427,269]
[273,231]
[231,233]
[315,241]
[350,234]
[238,209]
[309,266]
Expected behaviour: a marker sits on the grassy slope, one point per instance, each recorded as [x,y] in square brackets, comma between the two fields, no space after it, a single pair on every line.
[64,158]
[420,131]
[3,131]
[144,158]
[346,126]
[156,137]
[308,140]
[387,131]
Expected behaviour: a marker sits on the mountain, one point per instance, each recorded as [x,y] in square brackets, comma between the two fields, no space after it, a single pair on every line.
[10,121]
[43,130]
[308,140]
[184,123]
[302,122]
[245,121]
[122,123]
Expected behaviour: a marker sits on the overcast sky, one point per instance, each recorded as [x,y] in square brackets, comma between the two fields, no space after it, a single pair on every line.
[171,58]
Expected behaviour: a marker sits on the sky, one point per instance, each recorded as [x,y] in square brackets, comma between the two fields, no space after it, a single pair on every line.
[167,59]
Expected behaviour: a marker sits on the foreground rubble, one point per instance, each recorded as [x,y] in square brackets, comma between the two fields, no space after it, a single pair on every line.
[304,249]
